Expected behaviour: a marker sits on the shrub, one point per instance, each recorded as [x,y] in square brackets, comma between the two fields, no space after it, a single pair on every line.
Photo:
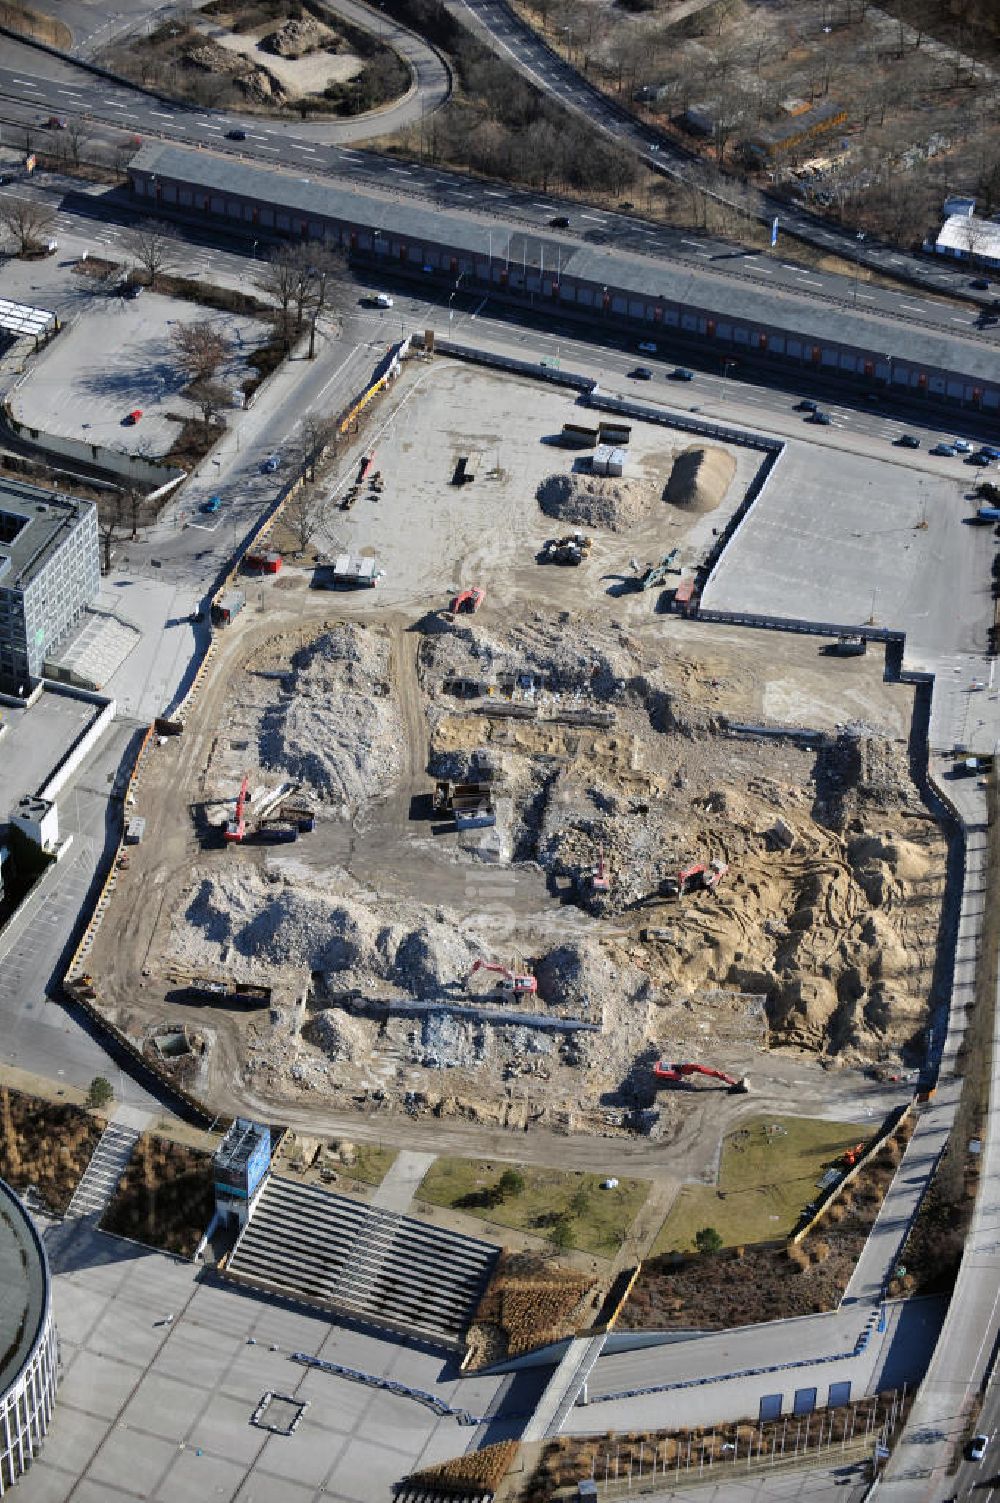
[100,1092]
[707,1240]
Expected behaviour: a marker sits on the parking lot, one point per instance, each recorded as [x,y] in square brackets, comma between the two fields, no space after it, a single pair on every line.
[845,538]
[162,1373]
[117,358]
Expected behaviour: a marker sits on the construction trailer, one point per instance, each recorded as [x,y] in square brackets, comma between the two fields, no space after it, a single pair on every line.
[469,804]
[578,436]
[264,563]
[135,829]
[685,598]
[350,570]
[227,607]
[225,992]
[615,434]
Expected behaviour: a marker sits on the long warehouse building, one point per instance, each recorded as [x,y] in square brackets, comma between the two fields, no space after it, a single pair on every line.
[635,294]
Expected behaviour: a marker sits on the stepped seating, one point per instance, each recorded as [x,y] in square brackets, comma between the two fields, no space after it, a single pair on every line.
[380,1267]
[97,1187]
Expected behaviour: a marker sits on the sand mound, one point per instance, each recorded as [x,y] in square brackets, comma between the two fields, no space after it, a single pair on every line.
[595,500]
[700,479]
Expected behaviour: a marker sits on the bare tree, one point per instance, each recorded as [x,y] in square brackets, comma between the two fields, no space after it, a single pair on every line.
[211,397]
[29,223]
[317,435]
[154,245]
[200,348]
[326,265]
[77,136]
[110,517]
[304,513]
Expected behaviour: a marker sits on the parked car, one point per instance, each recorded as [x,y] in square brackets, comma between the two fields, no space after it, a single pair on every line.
[980,284]
[990,450]
[383,300]
[806,405]
[270,464]
[823,418]
[962,446]
[131,418]
[56,122]
[681,373]
[236,135]
[977,1447]
[641,373]
[646,347]
[212,505]
[559,223]
[907,441]
[946,449]
[983,460]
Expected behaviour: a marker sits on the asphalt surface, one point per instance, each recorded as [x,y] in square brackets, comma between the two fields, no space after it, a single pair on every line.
[34,86]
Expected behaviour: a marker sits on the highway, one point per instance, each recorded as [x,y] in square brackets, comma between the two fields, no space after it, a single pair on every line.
[34,85]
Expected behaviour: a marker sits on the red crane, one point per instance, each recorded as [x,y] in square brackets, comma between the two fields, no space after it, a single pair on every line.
[236,828]
[677,1074]
[520,985]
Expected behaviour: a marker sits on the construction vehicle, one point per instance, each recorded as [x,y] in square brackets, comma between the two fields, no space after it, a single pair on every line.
[850,1158]
[571,549]
[656,574]
[669,1073]
[236,828]
[696,878]
[600,879]
[847,645]
[467,601]
[523,984]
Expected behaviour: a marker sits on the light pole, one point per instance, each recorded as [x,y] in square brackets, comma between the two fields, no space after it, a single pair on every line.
[859,238]
[253,250]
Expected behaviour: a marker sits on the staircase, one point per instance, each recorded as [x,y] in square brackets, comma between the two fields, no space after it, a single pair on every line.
[96,1189]
[390,1270]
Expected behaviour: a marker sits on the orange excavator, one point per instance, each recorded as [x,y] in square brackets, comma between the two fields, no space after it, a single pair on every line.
[667,1073]
[696,878]
[236,828]
[521,985]
[466,600]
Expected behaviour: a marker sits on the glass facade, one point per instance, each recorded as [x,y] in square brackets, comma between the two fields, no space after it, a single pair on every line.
[27,1400]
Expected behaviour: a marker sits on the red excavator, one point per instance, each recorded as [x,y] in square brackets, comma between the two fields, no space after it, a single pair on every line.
[236,828]
[676,1074]
[600,878]
[520,985]
[466,600]
[696,878]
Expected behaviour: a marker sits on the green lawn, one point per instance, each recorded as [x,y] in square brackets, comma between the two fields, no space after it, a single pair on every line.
[769,1170]
[595,1220]
[372,1163]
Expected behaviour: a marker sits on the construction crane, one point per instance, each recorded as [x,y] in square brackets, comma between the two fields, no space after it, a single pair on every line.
[600,879]
[677,1074]
[236,828]
[696,878]
[521,985]
[466,600]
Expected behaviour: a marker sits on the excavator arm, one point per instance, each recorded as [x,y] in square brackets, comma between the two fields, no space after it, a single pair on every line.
[675,1074]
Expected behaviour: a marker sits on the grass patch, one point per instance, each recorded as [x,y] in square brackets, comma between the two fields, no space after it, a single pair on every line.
[766,1176]
[372,1163]
[569,1209]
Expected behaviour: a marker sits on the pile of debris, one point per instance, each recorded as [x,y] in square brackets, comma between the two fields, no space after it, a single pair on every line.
[700,479]
[334,724]
[617,504]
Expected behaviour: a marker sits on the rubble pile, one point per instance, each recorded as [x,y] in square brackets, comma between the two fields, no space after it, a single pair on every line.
[334,724]
[582,500]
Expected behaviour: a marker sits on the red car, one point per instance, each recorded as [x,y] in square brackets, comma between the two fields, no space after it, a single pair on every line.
[133,417]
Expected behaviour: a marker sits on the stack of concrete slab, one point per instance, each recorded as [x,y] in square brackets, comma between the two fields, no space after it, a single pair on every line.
[382,1268]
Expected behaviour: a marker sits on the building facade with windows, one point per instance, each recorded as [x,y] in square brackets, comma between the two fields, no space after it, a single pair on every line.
[50,571]
[28,1342]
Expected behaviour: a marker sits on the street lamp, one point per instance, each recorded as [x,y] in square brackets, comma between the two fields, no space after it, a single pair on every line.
[254,250]
[859,238]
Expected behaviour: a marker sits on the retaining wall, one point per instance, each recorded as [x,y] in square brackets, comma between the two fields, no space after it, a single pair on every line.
[82,746]
[132,468]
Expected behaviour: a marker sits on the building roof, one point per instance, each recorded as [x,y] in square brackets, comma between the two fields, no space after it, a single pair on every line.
[24,1286]
[647,276]
[33,523]
[970,236]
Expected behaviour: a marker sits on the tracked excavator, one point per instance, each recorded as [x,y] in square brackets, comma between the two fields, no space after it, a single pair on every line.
[696,878]
[667,1073]
[521,985]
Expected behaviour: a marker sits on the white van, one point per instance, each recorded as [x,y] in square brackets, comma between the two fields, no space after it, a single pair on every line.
[383,300]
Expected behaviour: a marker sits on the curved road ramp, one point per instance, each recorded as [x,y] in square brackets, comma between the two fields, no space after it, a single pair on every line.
[375,1266]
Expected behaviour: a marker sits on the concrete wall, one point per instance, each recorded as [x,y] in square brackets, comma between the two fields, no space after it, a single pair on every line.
[83,745]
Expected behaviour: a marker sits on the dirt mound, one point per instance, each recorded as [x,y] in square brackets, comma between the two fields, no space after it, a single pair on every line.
[700,479]
[339,1035]
[334,726]
[596,500]
[296,38]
